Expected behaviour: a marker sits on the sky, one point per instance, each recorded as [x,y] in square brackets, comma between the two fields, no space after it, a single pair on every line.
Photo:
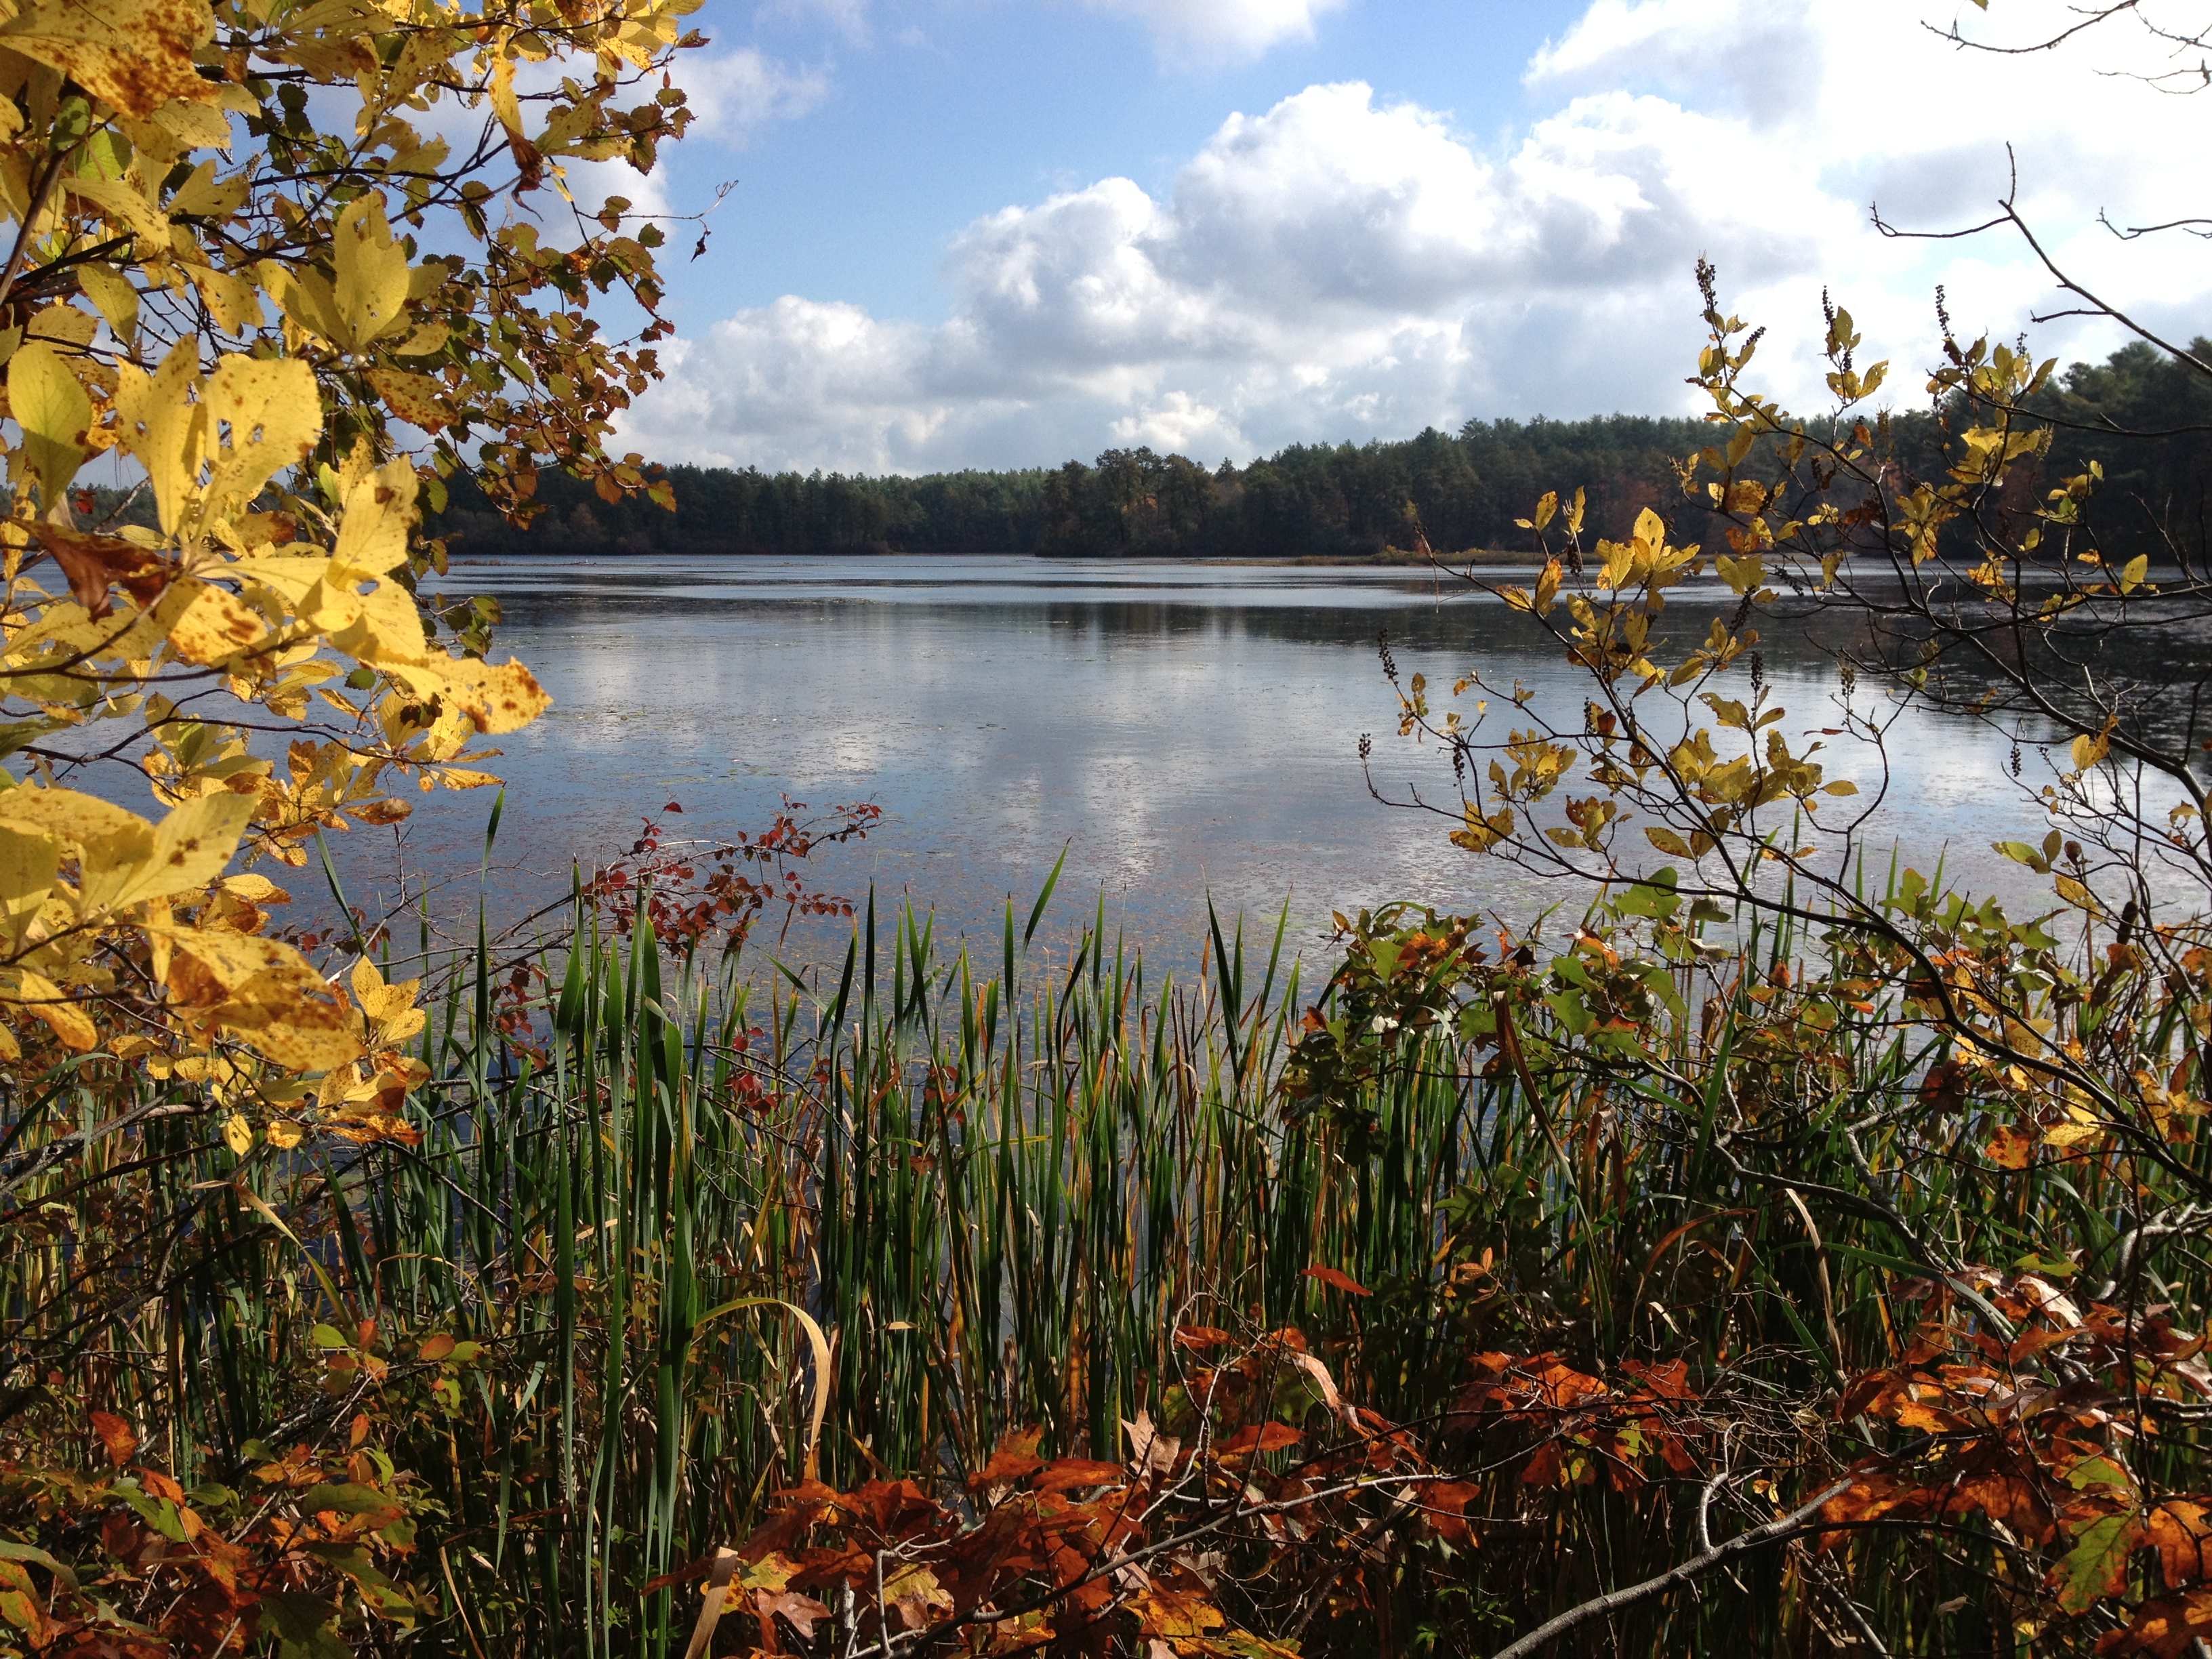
[1007,232]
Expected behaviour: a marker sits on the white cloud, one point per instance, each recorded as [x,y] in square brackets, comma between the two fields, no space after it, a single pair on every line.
[1340,266]
[1221,29]
[738,90]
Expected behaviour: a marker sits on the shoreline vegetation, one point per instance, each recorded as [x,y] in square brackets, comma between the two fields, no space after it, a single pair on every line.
[1386,557]
[1333,503]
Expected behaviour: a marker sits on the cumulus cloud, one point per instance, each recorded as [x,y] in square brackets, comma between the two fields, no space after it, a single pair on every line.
[1342,265]
[738,90]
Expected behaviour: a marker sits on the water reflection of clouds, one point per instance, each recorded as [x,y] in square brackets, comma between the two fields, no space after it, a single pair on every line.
[1181,730]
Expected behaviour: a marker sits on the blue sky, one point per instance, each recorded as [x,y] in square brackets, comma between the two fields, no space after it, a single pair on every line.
[1007,232]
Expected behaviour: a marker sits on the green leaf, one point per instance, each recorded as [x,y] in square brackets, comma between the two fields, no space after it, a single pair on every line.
[12,1551]
[301,1625]
[2097,1566]
[53,411]
[349,1500]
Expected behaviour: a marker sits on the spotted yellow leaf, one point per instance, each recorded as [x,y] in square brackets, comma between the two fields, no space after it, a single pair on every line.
[134,55]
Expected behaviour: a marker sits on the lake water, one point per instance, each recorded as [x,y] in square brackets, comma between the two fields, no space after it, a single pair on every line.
[1180,729]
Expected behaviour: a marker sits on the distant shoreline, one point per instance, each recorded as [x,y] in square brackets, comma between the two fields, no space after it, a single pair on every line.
[1391,559]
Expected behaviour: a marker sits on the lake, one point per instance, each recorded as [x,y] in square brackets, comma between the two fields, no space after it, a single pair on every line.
[1180,729]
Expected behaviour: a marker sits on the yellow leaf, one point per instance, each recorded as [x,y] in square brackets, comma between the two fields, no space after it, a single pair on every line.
[233,301]
[2065,1135]
[238,1134]
[291,1019]
[28,863]
[2010,1147]
[103,833]
[505,697]
[203,196]
[2076,893]
[42,999]
[226,960]
[2132,576]
[386,628]
[371,287]
[53,411]
[262,992]
[306,300]
[284,1133]
[508,109]
[117,300]
[134,55]
[415,399]
[426,339]
[207,624]
[165,427]
[192,845]
[1667,842]
[274,414]
[379,1001]
[380,509]
[127,208]
[190,124]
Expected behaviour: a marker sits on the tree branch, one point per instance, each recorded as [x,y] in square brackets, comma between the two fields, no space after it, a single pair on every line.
[1774,1532]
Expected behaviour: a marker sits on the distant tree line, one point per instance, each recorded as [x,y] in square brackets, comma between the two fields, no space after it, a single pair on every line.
[2144,418]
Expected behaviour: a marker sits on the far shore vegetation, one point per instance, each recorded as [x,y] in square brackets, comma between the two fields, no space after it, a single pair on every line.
[1463,490]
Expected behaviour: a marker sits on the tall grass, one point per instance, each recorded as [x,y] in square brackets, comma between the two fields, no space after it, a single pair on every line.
[994,1190]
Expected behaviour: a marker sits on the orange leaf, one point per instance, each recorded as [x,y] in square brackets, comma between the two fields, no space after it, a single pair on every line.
[1260,1436]
[1070,1472]
[2183,1537]
[1201,1336]
[115,1434]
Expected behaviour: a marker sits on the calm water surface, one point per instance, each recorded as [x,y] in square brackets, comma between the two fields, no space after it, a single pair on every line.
[1180,729]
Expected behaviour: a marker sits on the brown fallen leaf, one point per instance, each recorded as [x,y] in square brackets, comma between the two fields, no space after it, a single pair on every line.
[93,563]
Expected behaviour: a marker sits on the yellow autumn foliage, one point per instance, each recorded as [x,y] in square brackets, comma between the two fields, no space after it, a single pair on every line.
[223,284]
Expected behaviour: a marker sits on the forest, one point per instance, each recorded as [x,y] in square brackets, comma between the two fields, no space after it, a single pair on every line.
[1465,489]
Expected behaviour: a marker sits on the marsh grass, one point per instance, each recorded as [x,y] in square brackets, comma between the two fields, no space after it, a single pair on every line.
[651,1200]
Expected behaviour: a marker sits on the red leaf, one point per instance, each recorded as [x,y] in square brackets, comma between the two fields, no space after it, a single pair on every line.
[799,1611]
[1339,1280]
